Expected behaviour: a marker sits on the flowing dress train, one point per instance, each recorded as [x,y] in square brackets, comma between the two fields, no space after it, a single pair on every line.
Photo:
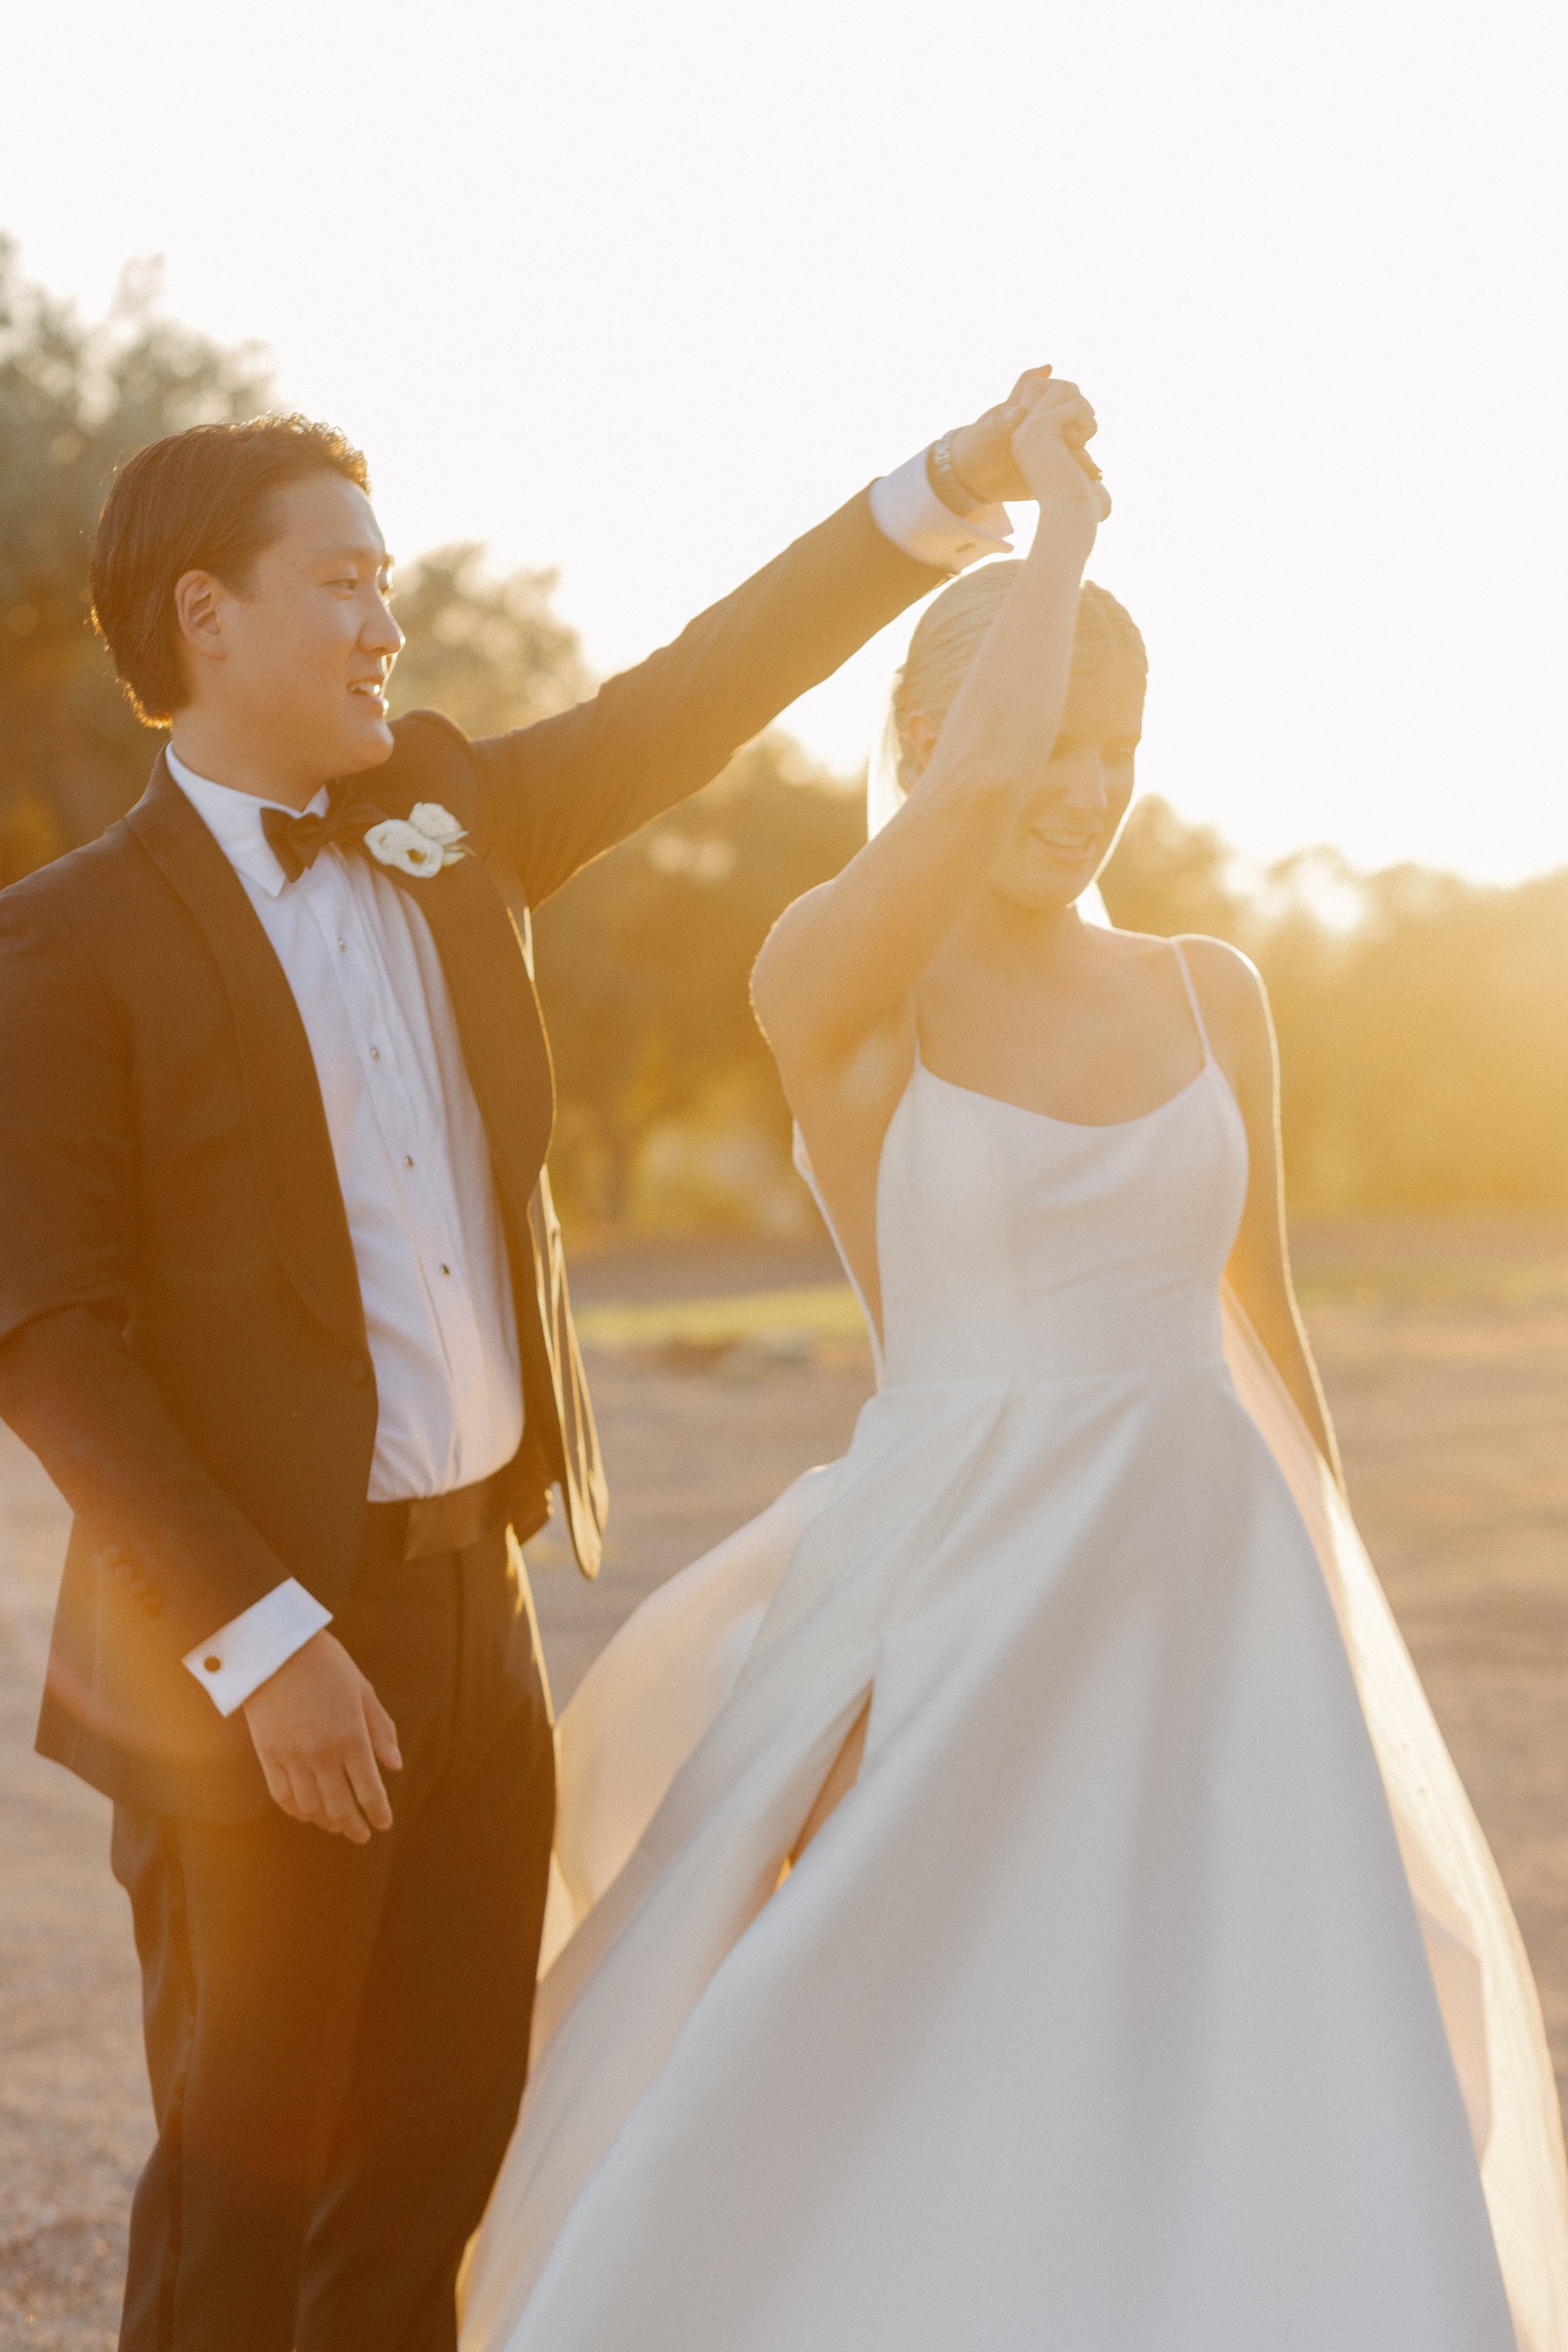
[1153,1990]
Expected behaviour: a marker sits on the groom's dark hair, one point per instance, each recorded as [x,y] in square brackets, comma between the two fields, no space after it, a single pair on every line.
[202,500]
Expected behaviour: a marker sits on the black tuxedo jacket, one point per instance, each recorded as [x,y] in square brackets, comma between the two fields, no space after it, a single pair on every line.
[181,1337]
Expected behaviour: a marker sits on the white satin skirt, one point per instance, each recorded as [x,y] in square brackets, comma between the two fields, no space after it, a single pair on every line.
[1153,1990]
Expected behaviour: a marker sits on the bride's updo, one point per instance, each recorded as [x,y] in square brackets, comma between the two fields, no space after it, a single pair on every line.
[950,634]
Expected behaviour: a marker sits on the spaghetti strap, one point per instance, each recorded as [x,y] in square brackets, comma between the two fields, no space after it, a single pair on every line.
[1193,1001]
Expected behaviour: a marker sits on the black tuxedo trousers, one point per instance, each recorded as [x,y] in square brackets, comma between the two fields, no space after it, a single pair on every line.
[337,2035]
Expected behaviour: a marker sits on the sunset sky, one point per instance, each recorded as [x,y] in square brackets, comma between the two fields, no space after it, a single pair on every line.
[642,290]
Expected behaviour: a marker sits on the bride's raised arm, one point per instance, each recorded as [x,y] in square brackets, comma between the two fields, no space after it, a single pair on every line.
[841,961]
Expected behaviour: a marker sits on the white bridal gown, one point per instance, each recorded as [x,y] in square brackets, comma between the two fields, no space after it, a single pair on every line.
[1153,1990]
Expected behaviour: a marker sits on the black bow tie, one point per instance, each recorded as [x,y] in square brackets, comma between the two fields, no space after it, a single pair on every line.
[297,841]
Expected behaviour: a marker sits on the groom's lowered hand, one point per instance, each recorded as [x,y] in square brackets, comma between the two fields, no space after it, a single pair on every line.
[321,1734]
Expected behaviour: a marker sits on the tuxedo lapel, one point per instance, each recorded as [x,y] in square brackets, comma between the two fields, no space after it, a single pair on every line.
[498,1018]
[288,1122]
[481,935]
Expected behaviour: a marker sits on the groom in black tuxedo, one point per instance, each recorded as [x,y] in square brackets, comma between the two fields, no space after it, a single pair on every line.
[283,1313]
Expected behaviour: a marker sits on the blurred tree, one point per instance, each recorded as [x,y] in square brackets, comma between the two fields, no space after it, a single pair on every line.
[490,653]
[1423,1020]
[1445,1081]
[1167,876]
[645,959]
[75,399]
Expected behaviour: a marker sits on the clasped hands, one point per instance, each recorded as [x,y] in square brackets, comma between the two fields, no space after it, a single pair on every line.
[997,456]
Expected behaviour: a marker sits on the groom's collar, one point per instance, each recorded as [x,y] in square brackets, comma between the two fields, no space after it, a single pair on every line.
[492,997]
[233,820]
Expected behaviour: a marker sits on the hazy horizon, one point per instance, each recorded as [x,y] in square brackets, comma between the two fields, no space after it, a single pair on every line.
[618,294]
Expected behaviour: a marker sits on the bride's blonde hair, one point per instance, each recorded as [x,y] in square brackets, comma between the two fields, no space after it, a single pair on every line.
[950,634]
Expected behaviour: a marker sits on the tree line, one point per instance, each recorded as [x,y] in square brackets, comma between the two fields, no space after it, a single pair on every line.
[1423,1020]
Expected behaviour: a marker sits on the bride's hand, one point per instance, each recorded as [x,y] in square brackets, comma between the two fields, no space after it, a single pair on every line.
[982,453]
[1050,446]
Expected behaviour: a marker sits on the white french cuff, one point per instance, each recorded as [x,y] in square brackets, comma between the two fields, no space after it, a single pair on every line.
[906,510]
[246,1651]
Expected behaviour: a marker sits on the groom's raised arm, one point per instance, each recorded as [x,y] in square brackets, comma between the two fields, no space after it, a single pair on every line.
[574,784]
[555,794]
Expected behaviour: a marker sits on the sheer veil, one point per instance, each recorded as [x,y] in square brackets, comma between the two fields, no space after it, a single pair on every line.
[629,1757]
[1485,1987]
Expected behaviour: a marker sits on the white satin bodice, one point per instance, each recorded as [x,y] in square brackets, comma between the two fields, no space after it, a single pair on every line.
[1014,1246]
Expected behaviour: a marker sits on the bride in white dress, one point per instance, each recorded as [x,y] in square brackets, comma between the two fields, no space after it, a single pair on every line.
[1013,1896]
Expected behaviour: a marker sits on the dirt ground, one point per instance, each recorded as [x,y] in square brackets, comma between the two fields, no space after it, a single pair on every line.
[1444,1346]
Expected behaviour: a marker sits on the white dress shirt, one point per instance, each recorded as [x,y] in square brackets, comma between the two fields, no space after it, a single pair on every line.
[411,1155]
[413,1161]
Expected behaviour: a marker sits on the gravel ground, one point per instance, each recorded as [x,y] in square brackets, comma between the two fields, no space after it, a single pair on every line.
[1453,1410]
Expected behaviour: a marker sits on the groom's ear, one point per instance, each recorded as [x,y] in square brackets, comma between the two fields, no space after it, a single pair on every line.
[199,599]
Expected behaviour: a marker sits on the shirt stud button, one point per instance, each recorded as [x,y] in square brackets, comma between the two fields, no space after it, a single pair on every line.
[343,947]
[375,1053]
[212,1665]
[445,1269]
[407,1160]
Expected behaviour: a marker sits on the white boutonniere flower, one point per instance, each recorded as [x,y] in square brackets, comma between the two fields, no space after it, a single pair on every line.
[428,838]
[438,824]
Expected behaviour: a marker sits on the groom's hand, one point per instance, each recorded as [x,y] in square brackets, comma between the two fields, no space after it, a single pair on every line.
[321,1731]
[983,455]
